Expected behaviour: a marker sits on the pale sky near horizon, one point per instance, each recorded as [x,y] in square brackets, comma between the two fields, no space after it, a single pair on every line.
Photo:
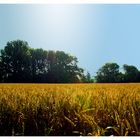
[95,34]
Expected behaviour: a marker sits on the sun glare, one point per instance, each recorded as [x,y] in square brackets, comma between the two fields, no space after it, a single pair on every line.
[58,13]
[60,17]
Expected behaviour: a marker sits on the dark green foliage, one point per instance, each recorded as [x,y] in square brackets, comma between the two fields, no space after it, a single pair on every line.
[131,73]
[15,62]
[19,64]
[62,68]
[108,73]
[87,78]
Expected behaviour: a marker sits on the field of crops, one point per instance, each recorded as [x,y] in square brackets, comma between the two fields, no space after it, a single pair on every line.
[69,109]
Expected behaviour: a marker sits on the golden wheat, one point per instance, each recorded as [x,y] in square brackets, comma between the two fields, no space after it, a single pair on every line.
[70,109]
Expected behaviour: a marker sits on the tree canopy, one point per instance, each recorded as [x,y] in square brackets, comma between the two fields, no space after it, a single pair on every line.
[110,73]
[21,63]
[131,73]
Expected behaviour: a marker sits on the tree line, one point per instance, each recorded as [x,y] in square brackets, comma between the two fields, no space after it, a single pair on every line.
[110,73]
[19,63]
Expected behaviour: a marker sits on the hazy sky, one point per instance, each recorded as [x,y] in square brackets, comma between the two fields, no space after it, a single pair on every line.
[95,34]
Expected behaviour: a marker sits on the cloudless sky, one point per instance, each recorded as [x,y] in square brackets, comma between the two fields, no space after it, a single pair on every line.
[95,34]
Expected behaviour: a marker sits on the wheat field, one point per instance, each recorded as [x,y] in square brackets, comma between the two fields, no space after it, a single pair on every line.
[69,109]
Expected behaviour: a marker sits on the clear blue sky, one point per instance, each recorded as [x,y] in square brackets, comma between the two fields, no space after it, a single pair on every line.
[95,34]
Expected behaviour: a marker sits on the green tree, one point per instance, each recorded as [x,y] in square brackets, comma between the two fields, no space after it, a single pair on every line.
[87,78]
[121,77]
[62,68]
[108,73]
[51,68]
[1,70]
[38,65]
[20,63]
[131,73]
[15,61]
